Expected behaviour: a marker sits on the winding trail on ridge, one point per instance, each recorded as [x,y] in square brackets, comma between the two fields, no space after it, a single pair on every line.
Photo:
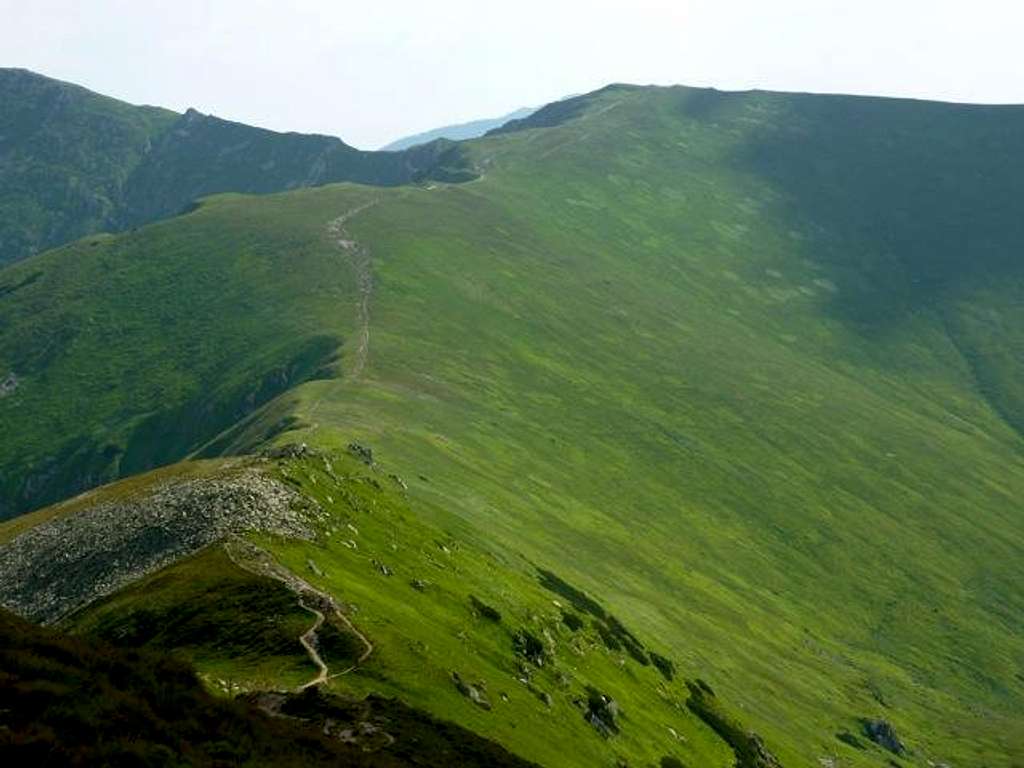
[259,562]
[362,267]
[308,641]
[359,257]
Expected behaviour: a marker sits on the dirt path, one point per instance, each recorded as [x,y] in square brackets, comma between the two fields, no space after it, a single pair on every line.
[359,257]
[308,640]
[255,560]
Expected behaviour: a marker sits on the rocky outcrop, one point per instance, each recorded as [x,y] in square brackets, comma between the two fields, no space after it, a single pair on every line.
[749,747]
[361,452]
[884,735]
[66,563]
[474,693]
[8,385]
[602,713]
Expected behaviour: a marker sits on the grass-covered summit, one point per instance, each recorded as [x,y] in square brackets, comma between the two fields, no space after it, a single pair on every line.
[742,366]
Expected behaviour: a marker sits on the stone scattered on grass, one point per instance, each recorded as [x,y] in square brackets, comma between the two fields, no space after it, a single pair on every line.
[474,693]
[68,562]
[602,713]
[361,452]
[544,696]
[288,451]
[529,646]
[8,385]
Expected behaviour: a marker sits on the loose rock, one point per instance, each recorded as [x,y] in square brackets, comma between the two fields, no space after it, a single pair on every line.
[64,564]
[472,692]
[361,452]
[884,735]
[8,385]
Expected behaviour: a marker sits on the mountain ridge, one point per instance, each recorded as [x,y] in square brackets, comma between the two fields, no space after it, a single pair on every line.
[722,364]
[157,162]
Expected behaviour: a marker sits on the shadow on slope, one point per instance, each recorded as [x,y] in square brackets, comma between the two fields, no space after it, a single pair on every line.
[925,192]
[925,195]
[73,701]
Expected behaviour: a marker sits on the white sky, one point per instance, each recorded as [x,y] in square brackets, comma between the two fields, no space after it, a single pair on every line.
[376,70]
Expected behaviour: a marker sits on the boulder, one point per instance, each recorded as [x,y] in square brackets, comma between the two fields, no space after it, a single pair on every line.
[602,713]
[472,692]
[361,452]
[884,735]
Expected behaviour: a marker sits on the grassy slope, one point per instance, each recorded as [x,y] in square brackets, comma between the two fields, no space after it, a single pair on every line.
[128,349]
[65,157]
[229,623]
[73,162]
[624,345]
[78,701]
[420,635]
[633,351]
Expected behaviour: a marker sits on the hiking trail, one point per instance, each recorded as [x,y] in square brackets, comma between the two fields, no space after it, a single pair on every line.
[259,562]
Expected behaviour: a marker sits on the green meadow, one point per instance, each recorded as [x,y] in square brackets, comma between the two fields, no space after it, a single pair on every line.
[742,368]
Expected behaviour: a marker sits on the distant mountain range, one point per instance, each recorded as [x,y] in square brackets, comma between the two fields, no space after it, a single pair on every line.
[459,131]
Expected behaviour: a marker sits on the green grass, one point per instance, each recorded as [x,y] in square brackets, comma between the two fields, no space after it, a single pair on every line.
[421,636]
[65,156]
[636,361]
[753,389]
[230,624]
[76,163]
[79,701]
[433,601]
[111,387]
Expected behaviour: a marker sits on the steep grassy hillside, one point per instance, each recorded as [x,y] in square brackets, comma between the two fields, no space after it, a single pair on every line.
[73,162]
[232,625]
[65,157]
[199,321]
[74,702]
[477,633]
[743,368]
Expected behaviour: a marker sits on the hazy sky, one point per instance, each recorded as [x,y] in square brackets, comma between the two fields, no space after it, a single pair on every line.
[372,71]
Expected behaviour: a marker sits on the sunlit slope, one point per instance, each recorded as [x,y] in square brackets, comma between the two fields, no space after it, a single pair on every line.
[132,351]
[726,362]
[433,603]
[632,350]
